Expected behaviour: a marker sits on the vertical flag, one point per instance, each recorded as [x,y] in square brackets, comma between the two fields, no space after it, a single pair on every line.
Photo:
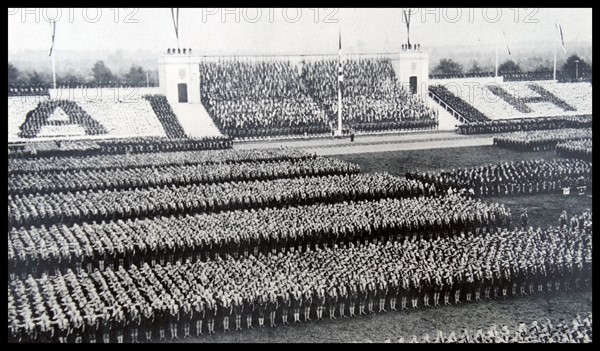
[562,40]
[340,85]
[505,42]
[407,20]
[53,33]
[340,68]
[175,16]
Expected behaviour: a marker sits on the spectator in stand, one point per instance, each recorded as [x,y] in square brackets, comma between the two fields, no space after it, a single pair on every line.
[372,98]
[251,99]
[468,112]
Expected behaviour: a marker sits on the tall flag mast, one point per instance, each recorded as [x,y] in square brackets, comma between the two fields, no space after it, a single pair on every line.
[562,43]
[52,54]
[340,85]
[407,20]
[175,16]
[507,49]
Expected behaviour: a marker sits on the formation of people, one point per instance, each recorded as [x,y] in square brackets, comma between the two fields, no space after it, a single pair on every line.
[74,147]
[581,149]
[469,113]
[525,124]
[576,331]
[259,99]
[461,75]
[141,302]
[38,117]
[372,97]
[550,97]
[514,178]
[538,140]
[158,159]
[29,90]
[516,103]
[166,116]
[145,177]
[108,204]
[250,99]
[47,249]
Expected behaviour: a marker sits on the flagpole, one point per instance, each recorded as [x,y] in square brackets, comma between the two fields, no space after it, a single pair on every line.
[339,127]
[53,70]
[555,39]
[496,59]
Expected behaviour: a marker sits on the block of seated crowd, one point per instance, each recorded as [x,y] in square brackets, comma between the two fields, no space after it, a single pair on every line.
[18,107]
[519,99]
[132,116]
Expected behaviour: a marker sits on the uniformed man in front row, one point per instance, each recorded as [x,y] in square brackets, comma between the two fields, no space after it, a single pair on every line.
[284,303]
[148,319]
[352,298]
[248,310]
[307,300]
[320,302]
[238,309]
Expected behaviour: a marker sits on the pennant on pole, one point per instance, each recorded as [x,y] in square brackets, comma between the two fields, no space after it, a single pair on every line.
[562,40]
[407,20]
[53,33]
[340,69]
[505,42]
[175,16]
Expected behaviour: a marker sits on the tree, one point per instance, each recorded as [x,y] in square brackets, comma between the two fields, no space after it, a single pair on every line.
[475,68]
[102,74]
[136,76]
[509,66]
[572,67]
[36,79]
[447,66]
[70,79]
[14,75]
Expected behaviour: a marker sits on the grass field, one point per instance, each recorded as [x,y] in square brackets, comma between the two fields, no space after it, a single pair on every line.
[543,211]
[400,162]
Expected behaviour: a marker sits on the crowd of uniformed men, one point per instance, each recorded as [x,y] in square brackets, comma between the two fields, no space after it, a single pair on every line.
[38,117]
[581,149]
[514,178]
[127,161]
[469,113]
[49,249]
[578,331]
[262,99]
[26,210]
[538,140]
[144,177]
[73,147]
[525,124]
[252,254]
[372,97]
[166,116]
[347,279]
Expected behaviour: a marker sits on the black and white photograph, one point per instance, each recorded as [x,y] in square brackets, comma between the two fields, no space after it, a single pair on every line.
[299,175]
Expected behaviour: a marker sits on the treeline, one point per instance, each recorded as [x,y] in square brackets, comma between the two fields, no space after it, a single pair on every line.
[100,75]
[575,69]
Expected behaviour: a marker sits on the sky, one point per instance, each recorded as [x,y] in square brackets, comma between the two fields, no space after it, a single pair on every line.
[288,31]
